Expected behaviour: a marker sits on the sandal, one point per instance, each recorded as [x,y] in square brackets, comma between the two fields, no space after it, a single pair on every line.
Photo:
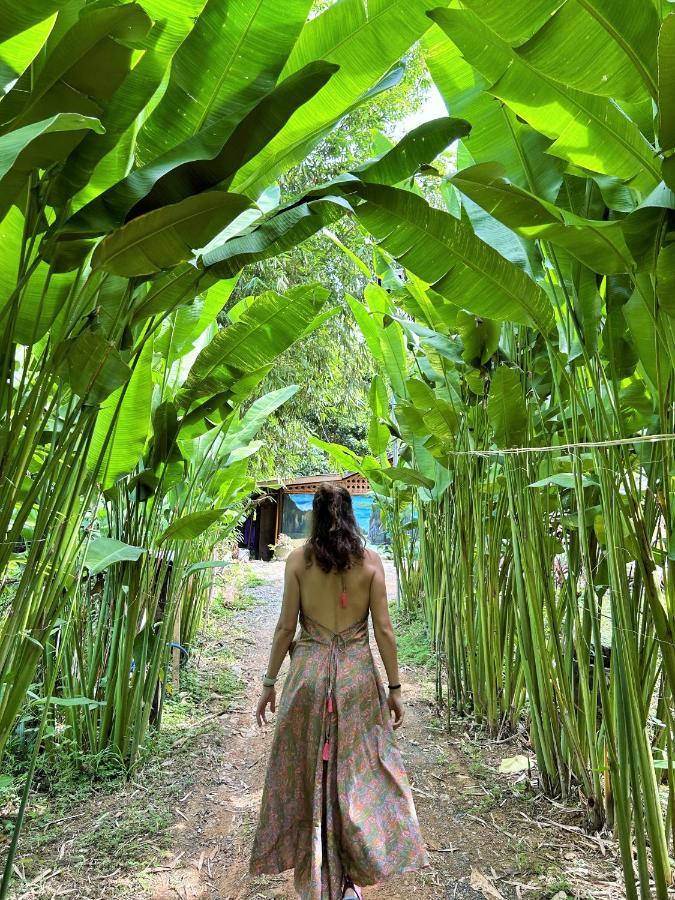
[350,886]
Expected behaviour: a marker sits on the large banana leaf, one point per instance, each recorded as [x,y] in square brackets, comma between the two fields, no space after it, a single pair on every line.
[496,133]
[516,21]
[30,147]
[191,325]
[203,162]
[103,552]
[175,287]
[421,145]
[598,244]
[284,230]
[446,253]
[393,351]
[18,17]
[588,131]
[365,40]
[230,60]
[506,408]
[85,66]
[44,294]
[242,431]
[188,527]
[265,330]
[666,57]
[92,366]
[616,56]
[164,237]
[100,160]
[123,424]
[17,53]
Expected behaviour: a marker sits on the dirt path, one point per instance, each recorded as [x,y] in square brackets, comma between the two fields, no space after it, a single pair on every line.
[480,832]
[182,826]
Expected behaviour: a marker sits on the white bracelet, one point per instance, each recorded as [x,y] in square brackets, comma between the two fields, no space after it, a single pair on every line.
[267,681]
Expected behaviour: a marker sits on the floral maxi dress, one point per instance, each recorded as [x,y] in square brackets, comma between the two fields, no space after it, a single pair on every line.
[336,798]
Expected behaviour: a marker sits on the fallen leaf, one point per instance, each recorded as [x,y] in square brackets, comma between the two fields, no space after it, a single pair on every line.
[480,882]
[512,764]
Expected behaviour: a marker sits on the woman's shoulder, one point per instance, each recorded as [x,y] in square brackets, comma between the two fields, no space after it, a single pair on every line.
[297,556]
[372,558]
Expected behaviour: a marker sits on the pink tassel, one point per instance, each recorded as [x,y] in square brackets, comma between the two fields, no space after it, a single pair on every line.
[343,599]
[326,752]
[330,703]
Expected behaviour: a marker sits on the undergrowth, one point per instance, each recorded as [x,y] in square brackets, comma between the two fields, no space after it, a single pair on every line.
[72,787]
[412,638]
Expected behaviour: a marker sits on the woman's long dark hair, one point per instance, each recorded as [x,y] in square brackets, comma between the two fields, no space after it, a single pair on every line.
[336,541]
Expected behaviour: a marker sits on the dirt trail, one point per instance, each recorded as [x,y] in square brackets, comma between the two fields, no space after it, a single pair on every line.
[485,840]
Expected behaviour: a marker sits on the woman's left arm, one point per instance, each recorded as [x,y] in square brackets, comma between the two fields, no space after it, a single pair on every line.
[283,632]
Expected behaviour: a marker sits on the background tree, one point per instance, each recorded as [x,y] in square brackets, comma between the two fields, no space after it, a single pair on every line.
[332,366]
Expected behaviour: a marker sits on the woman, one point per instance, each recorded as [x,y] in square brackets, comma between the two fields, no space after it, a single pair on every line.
[336,803]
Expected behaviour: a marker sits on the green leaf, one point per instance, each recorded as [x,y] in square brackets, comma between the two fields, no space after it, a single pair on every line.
[495,131]
[101,160]
[164,237]
[226,64]
[506,408]
[104,551]
[480,338]
[444,252]
[68,702]
[282,232]
[19,51]
[342,456]
[43,296]
[421,145]
[665,279]
[25,148]
[516,21]
[192,525]
[588,131]
[407,476]
[600,245]
[92,366]
[267,328]
[390,333]
[615,58]
[18,17]
[666,68]
[639,316]
[164,433]
[443,421]
[208,564]
[365,41]
[241,432]
[563,480]
[208,160]
[172,289]
[123,424]
[378,398]
[87,64]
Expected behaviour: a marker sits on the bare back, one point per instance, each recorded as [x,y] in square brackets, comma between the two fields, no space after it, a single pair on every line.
[320,592]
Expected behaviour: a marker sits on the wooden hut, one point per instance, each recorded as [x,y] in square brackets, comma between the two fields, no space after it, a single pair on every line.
[282,507]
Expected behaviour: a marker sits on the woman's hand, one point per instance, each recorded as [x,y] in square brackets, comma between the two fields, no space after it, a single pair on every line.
[396,706]
[268,695]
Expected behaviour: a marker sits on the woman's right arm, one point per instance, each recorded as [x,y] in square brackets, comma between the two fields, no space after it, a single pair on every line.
[384,634]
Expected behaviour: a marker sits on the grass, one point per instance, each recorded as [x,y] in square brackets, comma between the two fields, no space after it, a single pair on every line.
[412,638]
